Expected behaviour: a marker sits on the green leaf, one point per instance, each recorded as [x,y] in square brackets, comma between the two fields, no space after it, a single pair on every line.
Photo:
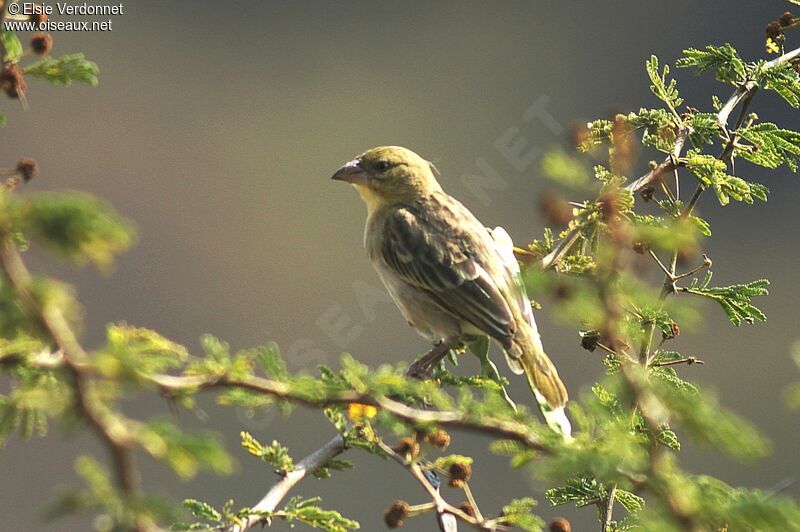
[701,224]
[64,70]
[519,454]
[711,171]
[133,354]
[783,79]
[12,45]
[702,419]
[307,511]
[670,376]
[724,59]
[202,510]
[274,454]
[519,513]
[668,438]
[735,300]
[665,90]
[581,491]
[630,501]
[658,128]
[599,131]
[609,400]
[445,462]
[565,169]
[704,128]
[771,146]
[76,225]
[334,464]
[185,453]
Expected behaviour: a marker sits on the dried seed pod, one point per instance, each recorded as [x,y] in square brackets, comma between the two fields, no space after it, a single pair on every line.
[27,168]
[559,524]
[460,472]
[42,43]
[12,81]
[407,447]
[396,513]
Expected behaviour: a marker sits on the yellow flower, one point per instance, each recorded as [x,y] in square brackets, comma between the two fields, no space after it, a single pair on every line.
[358,412]
[772,46]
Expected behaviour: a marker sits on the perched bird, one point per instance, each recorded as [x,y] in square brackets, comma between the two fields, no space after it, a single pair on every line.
[452,278]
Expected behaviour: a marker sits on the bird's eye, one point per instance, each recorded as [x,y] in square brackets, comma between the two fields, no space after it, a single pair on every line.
[383,165]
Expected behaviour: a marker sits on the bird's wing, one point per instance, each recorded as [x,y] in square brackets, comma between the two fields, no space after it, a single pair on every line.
[505,250]
[438,247]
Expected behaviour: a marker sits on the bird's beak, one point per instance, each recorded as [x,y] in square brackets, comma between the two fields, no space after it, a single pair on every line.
[352,173]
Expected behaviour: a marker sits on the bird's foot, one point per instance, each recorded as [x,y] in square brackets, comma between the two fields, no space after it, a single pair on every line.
[420,370]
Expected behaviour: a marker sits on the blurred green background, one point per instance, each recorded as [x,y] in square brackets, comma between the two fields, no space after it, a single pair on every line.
[216,127]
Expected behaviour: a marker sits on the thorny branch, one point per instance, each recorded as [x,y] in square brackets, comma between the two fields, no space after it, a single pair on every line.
[276,494]
[444,418]
[111,431]
[443,508]
[670,164]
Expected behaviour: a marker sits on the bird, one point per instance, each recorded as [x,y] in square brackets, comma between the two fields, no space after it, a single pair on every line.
[452,278]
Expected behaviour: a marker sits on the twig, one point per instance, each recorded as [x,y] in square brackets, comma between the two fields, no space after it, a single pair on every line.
[471,500]
[660,264]
[607,510]
[706,264]
[746,90]
[276,494]
[668,165]
[500,428]
[687,360]
[108,428]
[442,506]
[644,398]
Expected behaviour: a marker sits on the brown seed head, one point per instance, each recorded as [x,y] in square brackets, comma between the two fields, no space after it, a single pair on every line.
[555,208]
[438,438]
[407,447]
[459,472]
[609,206]
[396,514]
[773,30]
[674,330]
[640,247]
[578,134]
[27,168]
[559,524]
[786,19]
[562,291]
[12,81]
[42,43]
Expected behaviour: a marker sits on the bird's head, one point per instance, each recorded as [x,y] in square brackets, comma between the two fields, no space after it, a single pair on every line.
[389,174]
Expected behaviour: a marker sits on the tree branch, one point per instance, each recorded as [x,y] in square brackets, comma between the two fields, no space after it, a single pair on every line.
[669,164]
[111,431]
[607,509]
[276,494]
[446,418]
[442,506]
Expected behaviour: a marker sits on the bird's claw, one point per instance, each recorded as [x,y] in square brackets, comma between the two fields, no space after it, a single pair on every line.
[420,371]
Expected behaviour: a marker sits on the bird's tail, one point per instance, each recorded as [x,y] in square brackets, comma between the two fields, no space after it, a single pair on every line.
[550,393]
[526,353]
